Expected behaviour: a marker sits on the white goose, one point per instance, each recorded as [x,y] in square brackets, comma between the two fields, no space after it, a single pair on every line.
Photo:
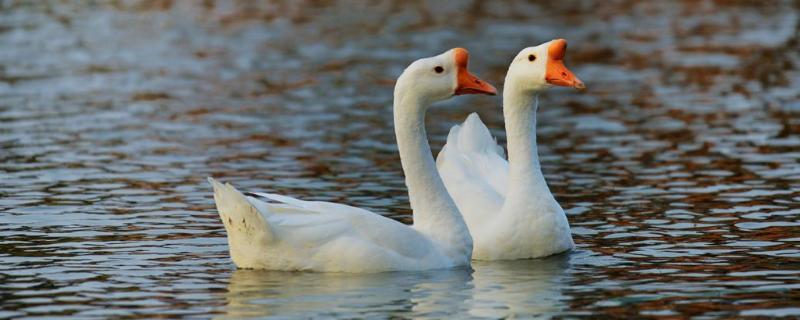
[507,205]
[269,231]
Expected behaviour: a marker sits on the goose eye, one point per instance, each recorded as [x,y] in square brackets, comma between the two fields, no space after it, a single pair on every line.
[438,69]
[531,57]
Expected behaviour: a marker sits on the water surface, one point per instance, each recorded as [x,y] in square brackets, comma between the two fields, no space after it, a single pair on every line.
[678,167]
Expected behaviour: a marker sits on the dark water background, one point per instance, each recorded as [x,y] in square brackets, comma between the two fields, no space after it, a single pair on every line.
[678,167]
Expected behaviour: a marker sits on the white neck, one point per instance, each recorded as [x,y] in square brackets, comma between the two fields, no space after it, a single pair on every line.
[527,182]
[435,213]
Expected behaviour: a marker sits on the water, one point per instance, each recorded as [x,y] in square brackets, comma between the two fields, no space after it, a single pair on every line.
[678,167]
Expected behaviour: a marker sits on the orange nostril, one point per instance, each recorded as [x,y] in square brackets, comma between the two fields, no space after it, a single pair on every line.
[564,74]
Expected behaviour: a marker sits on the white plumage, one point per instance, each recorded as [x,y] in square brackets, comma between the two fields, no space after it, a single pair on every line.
[510,211]
[274,232]
[291,234]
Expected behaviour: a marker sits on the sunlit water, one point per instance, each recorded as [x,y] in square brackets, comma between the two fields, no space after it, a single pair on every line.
[678,167]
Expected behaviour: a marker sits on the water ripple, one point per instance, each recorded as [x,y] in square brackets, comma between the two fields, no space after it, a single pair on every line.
[678,168]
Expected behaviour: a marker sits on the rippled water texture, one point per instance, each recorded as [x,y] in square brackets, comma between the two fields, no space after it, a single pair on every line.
[678,167]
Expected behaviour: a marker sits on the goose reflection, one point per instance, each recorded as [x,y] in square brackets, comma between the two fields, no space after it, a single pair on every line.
[509,289]
[254,293]
[497,289]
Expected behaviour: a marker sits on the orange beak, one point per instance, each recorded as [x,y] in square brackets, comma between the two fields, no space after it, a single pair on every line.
[469,83]
[557,73]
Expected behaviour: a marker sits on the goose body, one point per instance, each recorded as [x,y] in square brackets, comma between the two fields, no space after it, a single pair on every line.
[274,232]
[506,203]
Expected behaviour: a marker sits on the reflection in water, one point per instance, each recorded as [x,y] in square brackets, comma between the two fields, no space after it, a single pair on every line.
[508,289]
[499,289]
[254,293]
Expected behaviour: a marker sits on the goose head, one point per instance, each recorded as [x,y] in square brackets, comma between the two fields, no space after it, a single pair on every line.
[541,67]
[441,77]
